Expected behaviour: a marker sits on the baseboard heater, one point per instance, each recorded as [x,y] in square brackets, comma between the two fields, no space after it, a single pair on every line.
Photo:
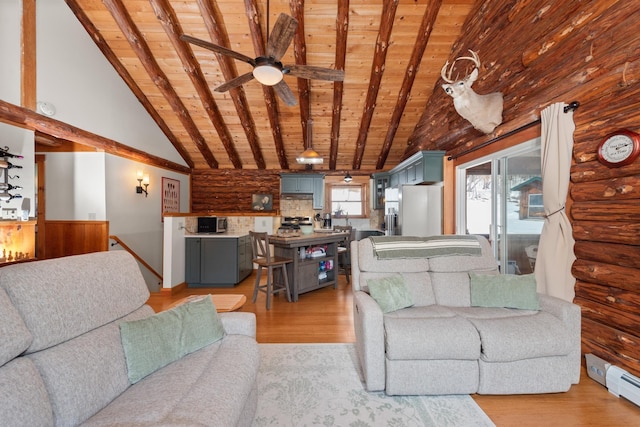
[622,383]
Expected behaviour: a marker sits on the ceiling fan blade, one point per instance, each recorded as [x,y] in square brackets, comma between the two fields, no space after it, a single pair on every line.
[281,36]
[235,82]
[311,72]
[218,49]
[284,92]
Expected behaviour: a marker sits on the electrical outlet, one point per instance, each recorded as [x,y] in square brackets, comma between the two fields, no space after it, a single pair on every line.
[597,368]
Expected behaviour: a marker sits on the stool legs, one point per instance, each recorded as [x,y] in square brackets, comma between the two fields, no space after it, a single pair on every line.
[270,288]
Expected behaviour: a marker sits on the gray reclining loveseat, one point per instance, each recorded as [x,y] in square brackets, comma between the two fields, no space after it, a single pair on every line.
[442,344]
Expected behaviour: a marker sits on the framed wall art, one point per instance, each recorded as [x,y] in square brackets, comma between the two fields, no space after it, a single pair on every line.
[262,202]
[170,196]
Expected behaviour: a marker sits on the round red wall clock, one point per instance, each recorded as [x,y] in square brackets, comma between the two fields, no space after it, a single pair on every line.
[619,148]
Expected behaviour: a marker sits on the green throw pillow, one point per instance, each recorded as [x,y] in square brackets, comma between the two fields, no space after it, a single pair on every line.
[504,290]
[390,293]
[154,342]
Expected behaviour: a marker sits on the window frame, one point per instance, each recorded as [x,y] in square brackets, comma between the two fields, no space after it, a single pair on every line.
[363,197]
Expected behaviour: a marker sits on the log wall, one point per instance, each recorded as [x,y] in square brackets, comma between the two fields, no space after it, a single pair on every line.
[539,52]
[228,190]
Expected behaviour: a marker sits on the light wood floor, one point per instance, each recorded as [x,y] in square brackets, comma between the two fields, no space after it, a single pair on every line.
[325,316]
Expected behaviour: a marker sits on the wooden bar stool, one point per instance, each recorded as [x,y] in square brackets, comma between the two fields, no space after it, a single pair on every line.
[262,256]
[344,250]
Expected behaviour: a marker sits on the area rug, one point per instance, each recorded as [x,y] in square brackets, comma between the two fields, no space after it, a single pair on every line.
[320,385]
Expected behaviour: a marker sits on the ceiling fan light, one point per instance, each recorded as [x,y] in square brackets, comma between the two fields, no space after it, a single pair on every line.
[309,157]
[267,75]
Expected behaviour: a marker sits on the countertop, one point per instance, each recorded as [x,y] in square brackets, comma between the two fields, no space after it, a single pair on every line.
[216,235]
[306,239]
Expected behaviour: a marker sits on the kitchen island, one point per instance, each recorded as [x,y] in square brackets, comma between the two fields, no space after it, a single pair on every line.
[315,260]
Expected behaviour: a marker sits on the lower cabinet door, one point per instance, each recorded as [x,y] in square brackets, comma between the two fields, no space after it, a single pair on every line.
[219,261]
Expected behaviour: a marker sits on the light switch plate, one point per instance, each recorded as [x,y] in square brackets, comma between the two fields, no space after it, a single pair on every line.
[597,368]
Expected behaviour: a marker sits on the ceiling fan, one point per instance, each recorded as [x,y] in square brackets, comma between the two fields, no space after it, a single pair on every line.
[268,69]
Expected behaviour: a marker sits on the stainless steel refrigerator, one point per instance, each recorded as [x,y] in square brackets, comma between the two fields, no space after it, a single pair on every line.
[419,210]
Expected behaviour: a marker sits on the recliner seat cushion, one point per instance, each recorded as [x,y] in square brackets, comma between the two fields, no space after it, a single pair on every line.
[522,337]
[431,338]
[14,335]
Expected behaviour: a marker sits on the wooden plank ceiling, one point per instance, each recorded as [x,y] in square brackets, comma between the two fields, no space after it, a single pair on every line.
[391,53]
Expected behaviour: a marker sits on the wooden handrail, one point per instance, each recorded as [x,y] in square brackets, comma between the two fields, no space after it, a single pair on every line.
[136,256]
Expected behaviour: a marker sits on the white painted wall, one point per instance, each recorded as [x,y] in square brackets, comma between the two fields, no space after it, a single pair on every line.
[75,186]
[76,78]
[87,93]
[174,252]
[137,219]
[10,16]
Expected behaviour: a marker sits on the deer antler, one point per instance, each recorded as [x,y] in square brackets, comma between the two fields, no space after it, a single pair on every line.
[474,57]
[446,74]
[447,77]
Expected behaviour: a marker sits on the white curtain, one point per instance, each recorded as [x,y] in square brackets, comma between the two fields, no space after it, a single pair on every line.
[555,249]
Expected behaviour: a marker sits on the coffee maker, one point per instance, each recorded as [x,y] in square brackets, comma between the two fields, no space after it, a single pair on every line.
[326,221]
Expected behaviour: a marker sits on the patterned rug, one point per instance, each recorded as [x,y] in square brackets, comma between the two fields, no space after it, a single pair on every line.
[319,385]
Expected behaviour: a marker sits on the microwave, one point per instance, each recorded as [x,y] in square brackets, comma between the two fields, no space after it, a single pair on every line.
[212,224]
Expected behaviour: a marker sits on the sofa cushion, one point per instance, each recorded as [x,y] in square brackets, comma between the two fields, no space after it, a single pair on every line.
[429,311]
[154,342]
[84,374]
[209,386]
[489,312]
[504,290]
[390,293]
[431,338]
[23,397]
[451,289]
[523,337]
[14,335]
[62,298]
[418,284]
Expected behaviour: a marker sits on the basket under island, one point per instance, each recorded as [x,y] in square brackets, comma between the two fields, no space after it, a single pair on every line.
[315,260]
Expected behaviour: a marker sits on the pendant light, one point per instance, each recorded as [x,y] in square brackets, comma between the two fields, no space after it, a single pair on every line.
[309,156]
[348,177]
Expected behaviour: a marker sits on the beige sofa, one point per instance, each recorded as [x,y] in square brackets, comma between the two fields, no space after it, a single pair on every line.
[444,345]
[62,361]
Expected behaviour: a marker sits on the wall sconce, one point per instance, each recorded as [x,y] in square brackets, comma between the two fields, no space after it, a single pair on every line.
[142,180]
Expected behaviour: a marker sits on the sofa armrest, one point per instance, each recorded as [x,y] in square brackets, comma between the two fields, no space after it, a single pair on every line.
[369,329]
[239,323]
[571,315]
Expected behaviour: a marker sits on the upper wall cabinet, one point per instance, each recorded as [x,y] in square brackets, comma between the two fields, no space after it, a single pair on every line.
[422,167]
[304,184]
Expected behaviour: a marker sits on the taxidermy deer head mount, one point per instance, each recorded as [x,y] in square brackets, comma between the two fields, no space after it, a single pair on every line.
[484,112]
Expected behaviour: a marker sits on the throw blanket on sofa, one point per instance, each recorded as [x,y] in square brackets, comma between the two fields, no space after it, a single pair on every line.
[389,247]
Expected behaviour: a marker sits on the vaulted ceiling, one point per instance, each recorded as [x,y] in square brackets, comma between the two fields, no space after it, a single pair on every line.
[391,53]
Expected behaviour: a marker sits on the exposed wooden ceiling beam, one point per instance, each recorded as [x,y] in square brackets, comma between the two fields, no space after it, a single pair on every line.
[377,70]
[300,53]
[167,17]
[422,38]
[214,22]
[140,47]
[129,81]
[26,118]
[269,95]
[342,29]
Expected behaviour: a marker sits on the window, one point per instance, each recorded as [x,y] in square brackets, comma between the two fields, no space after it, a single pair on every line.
[348,200]
[500,196]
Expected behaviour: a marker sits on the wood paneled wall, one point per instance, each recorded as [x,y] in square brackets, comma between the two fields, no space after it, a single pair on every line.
[64,238]
[538,52]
